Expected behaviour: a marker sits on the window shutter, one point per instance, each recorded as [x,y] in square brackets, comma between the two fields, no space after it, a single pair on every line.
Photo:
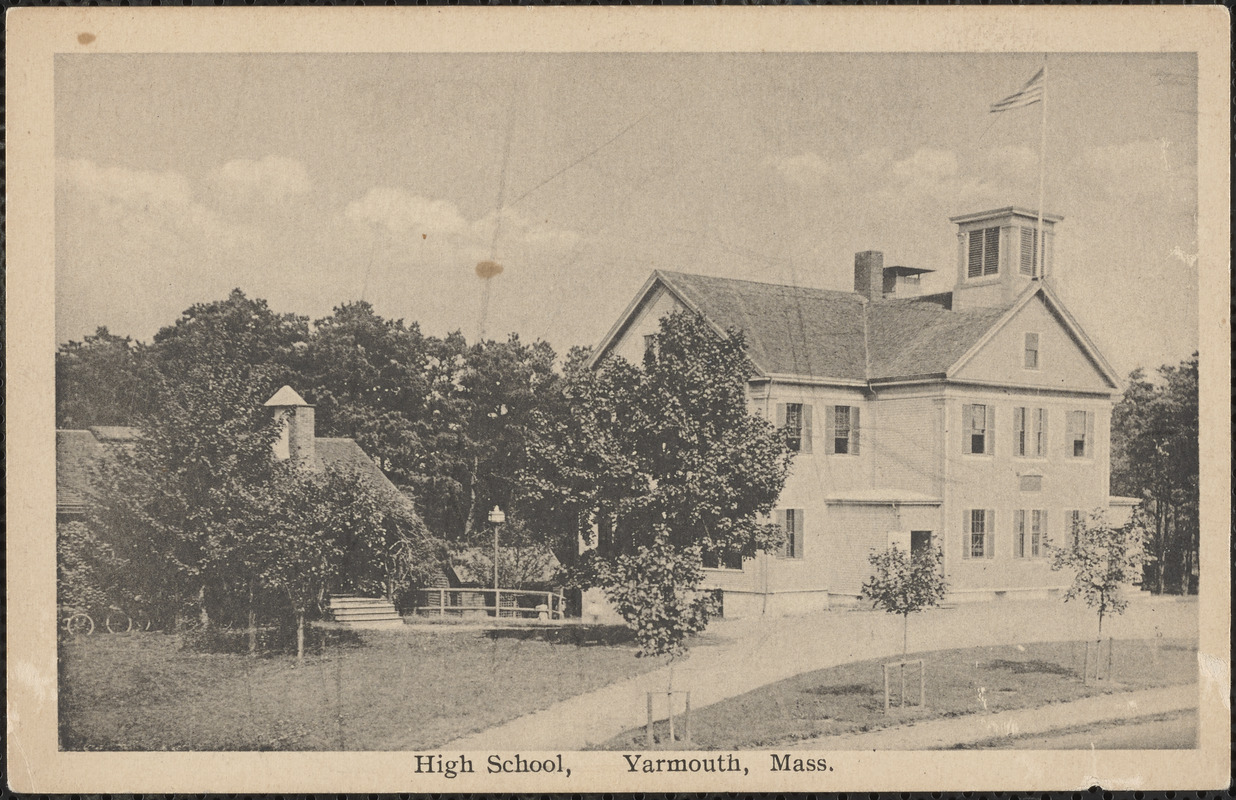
[965,533]
[1027,251]
[1089,434]
[990,438]
[801,530]
[1042,532]
[991,251]
[854,430]
[783,523]
[1019,533]
[1040,441]
[780,416]
[830,428]
[967,414]
[805,447]
[989,534]
[974,268]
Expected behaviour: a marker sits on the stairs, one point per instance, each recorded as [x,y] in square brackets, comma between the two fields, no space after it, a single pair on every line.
[364,612]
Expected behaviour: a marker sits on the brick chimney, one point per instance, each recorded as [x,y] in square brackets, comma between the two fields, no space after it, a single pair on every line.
[296,436]
[869,274]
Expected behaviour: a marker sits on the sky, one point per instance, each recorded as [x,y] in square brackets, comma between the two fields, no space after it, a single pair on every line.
[318,179]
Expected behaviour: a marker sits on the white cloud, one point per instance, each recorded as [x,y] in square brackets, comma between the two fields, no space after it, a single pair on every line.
[438,231]
[141,199]
[803,168]
[272,179]
[1140,169]
[926,165]
[401,212]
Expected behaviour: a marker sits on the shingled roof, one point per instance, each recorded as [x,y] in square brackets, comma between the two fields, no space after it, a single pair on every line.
[909,338]
[830,335]
[791,330]
[78,450]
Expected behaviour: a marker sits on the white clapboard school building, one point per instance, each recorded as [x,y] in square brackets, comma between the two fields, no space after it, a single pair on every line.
[976,420]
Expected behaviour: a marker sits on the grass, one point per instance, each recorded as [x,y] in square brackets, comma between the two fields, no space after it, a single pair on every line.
[850,698]
[372,690]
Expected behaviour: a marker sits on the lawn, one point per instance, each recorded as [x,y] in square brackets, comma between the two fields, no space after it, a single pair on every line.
[375,690]
[850,697]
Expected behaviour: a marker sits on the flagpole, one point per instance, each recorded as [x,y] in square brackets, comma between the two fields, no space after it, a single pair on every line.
[1042,243]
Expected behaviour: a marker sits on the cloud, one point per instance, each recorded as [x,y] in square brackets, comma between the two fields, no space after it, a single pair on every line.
[273,179]
[1141,169]
[401,213]
[440,231]
[803,168]
[926,165]
[141,199]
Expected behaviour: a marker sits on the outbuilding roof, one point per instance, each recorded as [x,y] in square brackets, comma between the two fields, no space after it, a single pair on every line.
[77,451]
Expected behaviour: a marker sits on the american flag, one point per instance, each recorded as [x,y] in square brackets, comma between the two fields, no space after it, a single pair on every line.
[1027,95]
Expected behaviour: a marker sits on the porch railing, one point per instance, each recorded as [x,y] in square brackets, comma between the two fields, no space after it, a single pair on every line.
[513,603]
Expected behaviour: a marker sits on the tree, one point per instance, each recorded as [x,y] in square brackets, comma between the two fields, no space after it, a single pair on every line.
[370,380]
[904,583]
[237,330]
[102,380]
[657,591]
[174,504]
[1155,457]
[1104,559]
[669,463]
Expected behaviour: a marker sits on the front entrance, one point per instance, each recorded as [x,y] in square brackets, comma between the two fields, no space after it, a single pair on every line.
[920,541]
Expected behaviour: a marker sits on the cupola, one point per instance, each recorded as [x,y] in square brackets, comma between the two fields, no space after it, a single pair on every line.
[998,255]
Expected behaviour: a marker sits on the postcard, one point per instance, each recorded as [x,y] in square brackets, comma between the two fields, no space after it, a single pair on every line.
[617,399]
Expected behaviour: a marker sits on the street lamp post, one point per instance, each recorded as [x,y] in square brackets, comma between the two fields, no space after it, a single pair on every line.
[496,518]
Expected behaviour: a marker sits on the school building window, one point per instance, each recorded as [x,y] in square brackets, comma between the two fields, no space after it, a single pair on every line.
[1081,434]
[842,434]
[794,419]
[792,523]
[979,530]
[1030,431]
[1076,522]
[1029,532]
[979,429]
[731,561]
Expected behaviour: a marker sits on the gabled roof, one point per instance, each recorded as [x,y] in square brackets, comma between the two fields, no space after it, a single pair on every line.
[827,336]
[790,330]
[1052,301]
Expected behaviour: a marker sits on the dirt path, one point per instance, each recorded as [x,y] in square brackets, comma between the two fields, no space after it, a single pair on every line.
[745,654]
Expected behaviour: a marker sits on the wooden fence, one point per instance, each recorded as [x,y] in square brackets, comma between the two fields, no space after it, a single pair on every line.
[515,603]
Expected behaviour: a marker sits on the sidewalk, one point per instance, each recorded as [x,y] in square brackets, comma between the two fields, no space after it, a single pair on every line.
[740,655]
[946,733]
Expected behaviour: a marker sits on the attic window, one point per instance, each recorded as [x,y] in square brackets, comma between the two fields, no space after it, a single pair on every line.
[984,252]
[1032,351]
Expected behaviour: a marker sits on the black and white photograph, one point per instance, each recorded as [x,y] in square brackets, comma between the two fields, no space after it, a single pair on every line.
[620,413]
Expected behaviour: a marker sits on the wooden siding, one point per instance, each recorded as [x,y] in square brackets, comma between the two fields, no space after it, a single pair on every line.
[1063,364]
